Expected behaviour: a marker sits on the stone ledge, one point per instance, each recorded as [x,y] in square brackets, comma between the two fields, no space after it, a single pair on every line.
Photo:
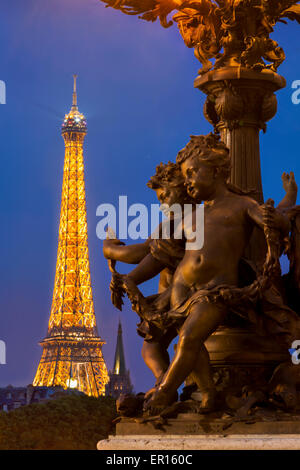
[195,424]
[192,442]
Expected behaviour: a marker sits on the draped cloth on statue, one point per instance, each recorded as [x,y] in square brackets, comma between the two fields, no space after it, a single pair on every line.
[261,302]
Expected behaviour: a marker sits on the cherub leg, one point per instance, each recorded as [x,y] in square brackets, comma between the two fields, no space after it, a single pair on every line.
[202,375]
[202,321]
[156,357]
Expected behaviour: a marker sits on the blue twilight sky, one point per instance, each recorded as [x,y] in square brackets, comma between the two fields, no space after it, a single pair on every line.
[135,87]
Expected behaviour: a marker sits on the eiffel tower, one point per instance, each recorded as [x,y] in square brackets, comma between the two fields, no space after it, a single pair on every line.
[72,350]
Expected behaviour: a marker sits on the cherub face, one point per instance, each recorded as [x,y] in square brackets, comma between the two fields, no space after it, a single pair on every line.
[199,179]
[169,195]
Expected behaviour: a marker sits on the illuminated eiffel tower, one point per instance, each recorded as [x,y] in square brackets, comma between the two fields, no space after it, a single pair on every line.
[72,350]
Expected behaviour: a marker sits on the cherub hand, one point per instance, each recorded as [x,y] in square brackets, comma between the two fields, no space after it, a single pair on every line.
[271,265]
[271,217]
[289,183]
[108,247]
[117,291]
[138,301]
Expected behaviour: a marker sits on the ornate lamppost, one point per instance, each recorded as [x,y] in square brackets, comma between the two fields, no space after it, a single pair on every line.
[240,85]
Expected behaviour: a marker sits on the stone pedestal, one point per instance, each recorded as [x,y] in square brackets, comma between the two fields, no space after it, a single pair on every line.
[191,442]
[198,432]
[239,358]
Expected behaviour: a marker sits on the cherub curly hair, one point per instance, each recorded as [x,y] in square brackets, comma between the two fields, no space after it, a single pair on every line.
[167,174]
[208,149]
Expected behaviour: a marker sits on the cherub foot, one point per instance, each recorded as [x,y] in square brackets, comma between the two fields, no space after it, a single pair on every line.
[208,402]
[159,401]
[150,392]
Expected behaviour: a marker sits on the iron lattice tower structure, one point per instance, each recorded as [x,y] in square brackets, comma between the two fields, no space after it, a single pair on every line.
[72,350]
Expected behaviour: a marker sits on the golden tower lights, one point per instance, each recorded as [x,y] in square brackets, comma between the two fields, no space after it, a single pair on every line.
[72,350]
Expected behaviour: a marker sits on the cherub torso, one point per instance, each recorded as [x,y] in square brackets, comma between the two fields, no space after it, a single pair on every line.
[227,231]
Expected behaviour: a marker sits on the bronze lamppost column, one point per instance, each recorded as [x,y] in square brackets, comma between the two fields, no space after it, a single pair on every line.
[239,103]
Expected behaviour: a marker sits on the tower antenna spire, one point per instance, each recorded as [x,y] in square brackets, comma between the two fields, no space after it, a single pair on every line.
[74,103]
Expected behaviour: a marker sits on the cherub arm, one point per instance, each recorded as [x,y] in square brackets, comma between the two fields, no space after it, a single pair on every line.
[276,227]
[266,215]
[291,189]
[131,254]
[148,268]
[114,249]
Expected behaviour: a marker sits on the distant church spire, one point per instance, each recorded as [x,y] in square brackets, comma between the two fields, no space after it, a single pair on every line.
[119,363]
[119,382]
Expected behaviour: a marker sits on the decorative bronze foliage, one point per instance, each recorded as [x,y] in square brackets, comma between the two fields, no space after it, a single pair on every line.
[233,32]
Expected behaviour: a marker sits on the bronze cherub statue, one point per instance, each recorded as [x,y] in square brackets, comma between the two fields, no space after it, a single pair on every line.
[205,284]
